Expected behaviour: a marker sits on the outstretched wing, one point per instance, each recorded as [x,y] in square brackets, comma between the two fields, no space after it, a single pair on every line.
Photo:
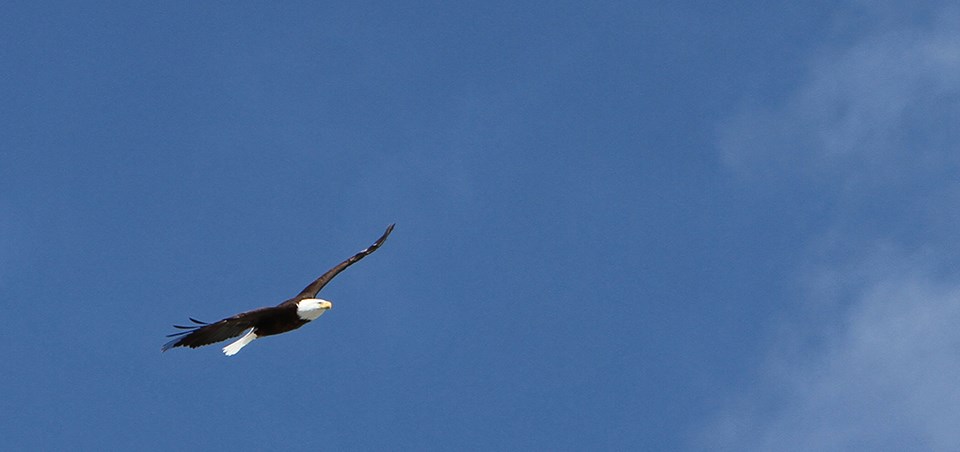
[208,333]
[313,289]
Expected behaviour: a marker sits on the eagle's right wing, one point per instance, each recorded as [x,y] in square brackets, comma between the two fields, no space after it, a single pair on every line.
[208,333]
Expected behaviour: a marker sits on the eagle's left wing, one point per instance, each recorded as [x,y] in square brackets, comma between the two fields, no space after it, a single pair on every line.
[313,289]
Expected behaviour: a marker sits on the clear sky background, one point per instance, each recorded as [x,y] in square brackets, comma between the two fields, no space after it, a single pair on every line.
[651,225]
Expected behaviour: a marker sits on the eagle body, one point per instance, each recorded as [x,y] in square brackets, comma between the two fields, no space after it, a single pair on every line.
[286,316]
[279,320]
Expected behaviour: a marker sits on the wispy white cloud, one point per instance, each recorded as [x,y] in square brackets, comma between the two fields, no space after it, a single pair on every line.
[882,378]
[879,108]
[874,119]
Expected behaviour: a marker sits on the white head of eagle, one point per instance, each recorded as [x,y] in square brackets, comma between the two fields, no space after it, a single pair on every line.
[286,316]
[311,308]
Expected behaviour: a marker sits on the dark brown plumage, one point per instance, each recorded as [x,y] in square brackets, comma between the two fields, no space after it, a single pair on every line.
[268,321]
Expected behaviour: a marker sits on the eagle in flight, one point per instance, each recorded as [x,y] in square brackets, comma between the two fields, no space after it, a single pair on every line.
[286,316]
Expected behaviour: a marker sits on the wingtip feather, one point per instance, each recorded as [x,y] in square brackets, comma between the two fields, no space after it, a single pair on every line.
[169,345]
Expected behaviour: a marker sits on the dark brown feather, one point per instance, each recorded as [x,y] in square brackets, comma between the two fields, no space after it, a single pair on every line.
[266,321]
[313,289]
[209,333]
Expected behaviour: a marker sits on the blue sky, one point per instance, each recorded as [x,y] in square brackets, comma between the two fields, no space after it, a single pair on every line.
[620,225]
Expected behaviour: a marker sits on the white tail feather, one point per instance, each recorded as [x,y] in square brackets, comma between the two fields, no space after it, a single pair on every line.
[235,347]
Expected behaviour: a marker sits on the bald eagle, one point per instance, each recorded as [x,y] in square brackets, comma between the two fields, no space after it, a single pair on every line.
[286,316]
